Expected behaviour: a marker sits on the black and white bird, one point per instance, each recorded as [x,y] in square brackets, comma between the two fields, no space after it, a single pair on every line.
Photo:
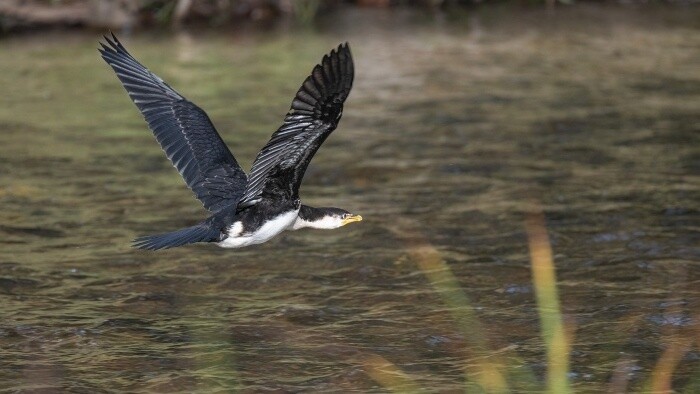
[245,209]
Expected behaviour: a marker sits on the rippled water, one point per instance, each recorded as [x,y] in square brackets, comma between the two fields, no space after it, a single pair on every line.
[458,126]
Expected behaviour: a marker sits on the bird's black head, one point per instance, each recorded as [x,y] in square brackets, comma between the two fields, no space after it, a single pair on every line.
[325,218]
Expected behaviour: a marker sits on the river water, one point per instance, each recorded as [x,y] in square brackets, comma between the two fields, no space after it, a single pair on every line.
[459,125]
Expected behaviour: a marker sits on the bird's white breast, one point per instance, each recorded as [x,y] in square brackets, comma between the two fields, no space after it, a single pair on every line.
[237,238]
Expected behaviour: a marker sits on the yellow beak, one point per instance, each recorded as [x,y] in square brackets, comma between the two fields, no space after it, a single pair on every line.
[352,218]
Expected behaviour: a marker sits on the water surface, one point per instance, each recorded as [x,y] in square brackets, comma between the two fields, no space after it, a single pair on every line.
[457,127]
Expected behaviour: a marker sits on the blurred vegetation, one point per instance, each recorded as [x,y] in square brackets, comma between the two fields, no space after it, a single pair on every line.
[491,370]
[18,15]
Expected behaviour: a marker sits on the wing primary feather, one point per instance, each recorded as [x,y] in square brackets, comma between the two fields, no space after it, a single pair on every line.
[183,130]
[313,115]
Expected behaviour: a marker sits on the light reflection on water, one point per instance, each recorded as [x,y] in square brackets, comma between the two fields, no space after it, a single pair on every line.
[455,129]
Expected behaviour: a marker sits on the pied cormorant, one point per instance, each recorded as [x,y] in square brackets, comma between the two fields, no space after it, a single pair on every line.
[245,209]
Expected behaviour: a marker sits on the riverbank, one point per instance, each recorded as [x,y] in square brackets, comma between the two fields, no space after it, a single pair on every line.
[17,16]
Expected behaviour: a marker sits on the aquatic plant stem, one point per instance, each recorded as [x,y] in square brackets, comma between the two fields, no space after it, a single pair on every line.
[662,374]
[545,284]
[485,372]
[389,375]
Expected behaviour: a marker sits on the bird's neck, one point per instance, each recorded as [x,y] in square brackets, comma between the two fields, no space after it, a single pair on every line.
[310,217]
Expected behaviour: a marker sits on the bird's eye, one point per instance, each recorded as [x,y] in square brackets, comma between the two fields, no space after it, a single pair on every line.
[345,215]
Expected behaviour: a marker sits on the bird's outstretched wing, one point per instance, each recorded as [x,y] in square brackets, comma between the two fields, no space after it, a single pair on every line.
[182,129]
[315,113]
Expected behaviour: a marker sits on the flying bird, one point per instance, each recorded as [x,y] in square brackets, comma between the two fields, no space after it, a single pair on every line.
[244,209]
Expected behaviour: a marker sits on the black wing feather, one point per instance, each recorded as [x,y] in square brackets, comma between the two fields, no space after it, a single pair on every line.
[182,129]
[314,114]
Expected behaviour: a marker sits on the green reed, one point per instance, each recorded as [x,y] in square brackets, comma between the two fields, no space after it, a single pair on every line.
[545,285]
[489,371]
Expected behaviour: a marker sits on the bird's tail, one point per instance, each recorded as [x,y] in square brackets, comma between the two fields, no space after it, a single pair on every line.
[198,233]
